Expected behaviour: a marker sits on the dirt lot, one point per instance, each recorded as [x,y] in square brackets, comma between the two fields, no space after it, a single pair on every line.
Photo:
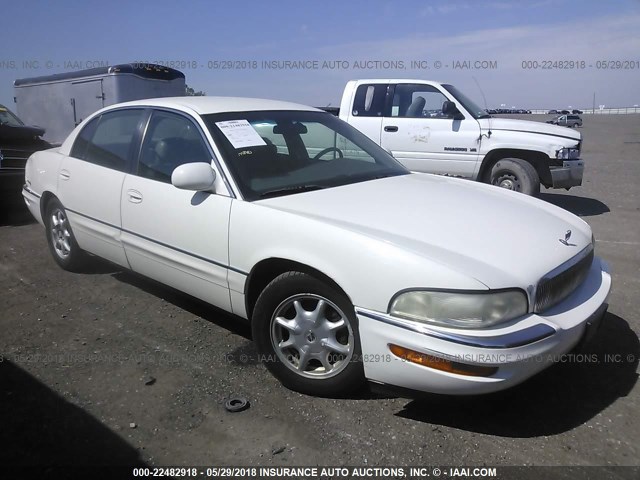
[110,368]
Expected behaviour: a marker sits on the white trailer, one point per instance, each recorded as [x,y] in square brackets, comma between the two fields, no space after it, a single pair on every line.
[60,102]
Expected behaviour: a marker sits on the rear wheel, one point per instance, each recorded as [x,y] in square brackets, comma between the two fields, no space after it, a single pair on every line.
[307,332]
[60,238]
[515,174]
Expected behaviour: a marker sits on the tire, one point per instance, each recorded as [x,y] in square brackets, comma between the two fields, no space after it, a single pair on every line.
[290,325]
[517,175]
[62,243]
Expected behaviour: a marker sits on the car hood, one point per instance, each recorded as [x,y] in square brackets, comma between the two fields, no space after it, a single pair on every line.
[22,132]
[528,126]
[498,237]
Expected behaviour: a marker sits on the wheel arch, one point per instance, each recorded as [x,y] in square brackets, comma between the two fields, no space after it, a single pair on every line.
[539,160]
[46,197]
[266,270]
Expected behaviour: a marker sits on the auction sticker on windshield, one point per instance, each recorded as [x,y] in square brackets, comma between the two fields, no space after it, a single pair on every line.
[240,133]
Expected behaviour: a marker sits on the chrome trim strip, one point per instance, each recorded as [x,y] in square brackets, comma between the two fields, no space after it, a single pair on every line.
[537,133]
[522,337]
[27,189]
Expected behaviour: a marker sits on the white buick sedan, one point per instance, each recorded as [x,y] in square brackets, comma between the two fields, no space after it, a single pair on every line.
[348,266]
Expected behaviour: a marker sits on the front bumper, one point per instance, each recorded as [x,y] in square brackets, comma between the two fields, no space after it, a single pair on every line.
[568,175]
[519,349]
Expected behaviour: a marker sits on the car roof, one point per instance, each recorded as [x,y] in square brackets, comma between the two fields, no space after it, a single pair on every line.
[204,105]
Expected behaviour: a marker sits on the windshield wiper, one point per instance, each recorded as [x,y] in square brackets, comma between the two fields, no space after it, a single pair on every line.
[288,190]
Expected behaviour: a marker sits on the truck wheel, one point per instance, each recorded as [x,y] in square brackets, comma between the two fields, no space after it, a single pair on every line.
[307,332]
[60,238]
[517,175]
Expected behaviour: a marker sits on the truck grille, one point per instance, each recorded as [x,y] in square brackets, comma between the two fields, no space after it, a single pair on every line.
[555,287]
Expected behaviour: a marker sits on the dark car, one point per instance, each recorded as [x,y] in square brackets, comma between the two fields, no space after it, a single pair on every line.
[565,112]
[576,111]
[552,112]
[17,142]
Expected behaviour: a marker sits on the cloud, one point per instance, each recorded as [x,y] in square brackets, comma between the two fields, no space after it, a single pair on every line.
[606,38]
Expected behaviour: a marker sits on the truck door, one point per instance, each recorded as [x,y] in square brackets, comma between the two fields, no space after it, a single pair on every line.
[86,97]
[423,138]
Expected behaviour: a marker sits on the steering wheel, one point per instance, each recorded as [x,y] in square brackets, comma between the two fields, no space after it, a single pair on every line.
[327,150]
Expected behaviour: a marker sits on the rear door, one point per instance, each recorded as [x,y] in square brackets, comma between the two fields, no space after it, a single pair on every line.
[87,97]
[90,181]
[177,237]
[424,139]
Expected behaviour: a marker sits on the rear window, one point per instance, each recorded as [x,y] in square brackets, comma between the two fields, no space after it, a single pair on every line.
[369,100]
[107,140]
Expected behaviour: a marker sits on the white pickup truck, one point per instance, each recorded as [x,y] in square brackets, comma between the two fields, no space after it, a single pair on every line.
[433,127]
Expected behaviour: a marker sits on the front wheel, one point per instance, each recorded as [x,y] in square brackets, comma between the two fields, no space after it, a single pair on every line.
[307,333]
[60,238]
[517,175]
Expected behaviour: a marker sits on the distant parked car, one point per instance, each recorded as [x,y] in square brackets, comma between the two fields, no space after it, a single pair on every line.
[17,142]
[552,112]
[565,112]
[567,121]
[575,110]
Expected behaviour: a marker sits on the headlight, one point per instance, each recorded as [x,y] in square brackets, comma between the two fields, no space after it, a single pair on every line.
[460,309]
[568,153]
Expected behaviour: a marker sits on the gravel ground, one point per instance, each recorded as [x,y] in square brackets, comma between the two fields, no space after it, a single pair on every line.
[110,368]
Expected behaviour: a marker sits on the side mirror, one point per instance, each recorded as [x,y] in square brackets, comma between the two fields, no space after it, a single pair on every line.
[450,110]
[198,176]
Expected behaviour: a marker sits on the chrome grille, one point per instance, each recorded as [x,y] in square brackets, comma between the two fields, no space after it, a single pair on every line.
[556,286]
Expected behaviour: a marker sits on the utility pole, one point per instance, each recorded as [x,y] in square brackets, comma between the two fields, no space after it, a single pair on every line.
[594,103]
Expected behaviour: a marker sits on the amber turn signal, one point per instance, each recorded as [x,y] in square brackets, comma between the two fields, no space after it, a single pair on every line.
[438,363]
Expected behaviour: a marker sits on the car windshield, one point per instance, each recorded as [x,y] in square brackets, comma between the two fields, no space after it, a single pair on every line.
[273,153]
[471,106]
[8,118]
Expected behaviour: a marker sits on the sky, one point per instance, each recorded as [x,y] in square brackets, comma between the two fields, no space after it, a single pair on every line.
[498,52]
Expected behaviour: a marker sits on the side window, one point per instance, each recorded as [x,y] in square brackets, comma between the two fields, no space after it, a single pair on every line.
[107,141]
[413,101]
[170,141]
[369,100]
[79,149]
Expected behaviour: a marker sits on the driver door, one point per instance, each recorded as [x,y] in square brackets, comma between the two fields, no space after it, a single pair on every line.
[424,139]
[177,237]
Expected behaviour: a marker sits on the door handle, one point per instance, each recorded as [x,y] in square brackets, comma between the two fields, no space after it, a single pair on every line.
[65,175]
[134,196]
[390,128]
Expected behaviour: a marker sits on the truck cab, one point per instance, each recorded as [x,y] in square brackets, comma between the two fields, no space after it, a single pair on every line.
[434,128]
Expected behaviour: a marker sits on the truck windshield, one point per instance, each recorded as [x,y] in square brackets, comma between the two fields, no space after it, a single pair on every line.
[467,103]
[8,118]
[274,153]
